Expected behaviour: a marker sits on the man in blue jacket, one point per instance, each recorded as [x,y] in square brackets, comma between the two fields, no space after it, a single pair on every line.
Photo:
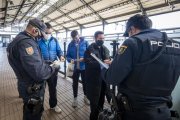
[75,54]
[51,51]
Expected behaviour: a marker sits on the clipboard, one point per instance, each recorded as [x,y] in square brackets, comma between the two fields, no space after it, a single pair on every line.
[99,61]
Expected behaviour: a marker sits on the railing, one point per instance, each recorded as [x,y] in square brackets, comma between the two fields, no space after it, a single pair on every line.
[113,41]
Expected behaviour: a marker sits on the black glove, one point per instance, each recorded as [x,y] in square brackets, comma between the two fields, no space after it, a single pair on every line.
[48,62]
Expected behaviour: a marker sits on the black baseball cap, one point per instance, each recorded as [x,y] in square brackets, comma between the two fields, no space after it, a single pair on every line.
[141,22]
[39,24]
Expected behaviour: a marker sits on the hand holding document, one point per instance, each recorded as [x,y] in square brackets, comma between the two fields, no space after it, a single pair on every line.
[56,64]
[104,65]
[108,61]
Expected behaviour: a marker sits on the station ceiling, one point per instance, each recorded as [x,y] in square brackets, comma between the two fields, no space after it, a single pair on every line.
[73,14]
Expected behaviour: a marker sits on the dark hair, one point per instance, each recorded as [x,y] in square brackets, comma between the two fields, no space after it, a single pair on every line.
[74,33]
[49,26]
[97,33]
[141,22]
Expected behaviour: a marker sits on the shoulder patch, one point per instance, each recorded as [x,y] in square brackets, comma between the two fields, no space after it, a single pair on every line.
[29,50]
[122,49]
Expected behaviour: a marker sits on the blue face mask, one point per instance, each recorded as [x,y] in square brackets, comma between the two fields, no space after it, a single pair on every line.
[99,42]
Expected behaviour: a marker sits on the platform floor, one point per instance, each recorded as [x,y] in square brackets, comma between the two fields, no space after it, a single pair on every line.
[11,105]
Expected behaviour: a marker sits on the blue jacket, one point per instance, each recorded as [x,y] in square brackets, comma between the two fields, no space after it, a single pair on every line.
[71,51]
[51,50]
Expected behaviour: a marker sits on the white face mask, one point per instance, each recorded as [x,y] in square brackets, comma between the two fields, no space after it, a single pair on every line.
[48,36]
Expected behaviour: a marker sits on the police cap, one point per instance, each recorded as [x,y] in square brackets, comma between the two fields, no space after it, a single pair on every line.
[138,21]
[38,23]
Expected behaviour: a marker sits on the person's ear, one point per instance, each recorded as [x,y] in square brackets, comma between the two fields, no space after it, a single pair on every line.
[36,30]
[132,31]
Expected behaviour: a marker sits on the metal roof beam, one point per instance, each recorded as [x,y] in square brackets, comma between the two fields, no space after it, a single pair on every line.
[34,12]
[8,16]
[141,7]
[2,9]
[84,24]
[66,15]
[18,11]
[100,11]
[5,14]
[146,9]
[119,5]
[57,23]
[33,5]
[50,10]
[77,9]
[92,10]
[69,17]
[15,7]
[134,12]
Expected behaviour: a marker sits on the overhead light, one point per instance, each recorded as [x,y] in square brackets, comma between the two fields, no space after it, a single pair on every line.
[10,2]
[20,12]
[172,6]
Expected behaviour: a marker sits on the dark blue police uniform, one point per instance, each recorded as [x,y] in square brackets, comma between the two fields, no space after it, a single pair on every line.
[25,58]
[147,86]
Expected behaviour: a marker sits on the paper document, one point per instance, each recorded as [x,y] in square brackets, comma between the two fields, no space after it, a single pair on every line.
[100,62]
[57,62]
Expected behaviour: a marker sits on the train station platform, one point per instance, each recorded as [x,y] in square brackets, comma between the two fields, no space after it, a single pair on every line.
[11,104]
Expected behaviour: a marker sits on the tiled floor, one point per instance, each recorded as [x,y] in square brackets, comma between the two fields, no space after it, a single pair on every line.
[11,105]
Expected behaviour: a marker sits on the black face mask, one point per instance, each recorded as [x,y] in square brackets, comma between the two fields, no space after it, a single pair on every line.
[99,42]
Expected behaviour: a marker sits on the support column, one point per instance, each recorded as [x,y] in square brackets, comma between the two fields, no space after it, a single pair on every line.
[65,53]
[103,24]
[81,28]
[56,34]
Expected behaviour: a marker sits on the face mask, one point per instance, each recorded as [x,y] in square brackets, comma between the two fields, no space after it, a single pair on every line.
[76,39]
[99,42]
[48,36]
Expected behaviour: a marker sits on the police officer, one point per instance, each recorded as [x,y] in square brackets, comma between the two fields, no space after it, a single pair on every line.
[96,87]
[146,69]
[25,59]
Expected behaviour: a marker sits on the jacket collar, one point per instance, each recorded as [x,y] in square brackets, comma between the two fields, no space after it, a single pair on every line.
[80,41]
[48,40]
[146,31]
